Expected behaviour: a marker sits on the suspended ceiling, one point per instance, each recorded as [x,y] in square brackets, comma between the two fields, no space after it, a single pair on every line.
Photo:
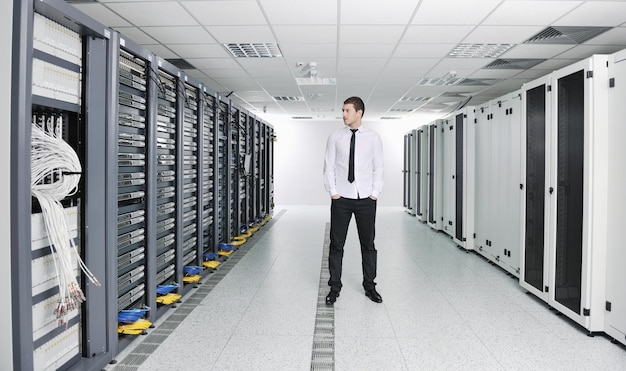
[300,59]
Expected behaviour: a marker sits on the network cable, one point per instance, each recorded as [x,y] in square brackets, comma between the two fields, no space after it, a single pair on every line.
[55,174]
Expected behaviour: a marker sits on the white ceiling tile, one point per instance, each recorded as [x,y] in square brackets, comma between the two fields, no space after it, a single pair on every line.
[236,84]
[436,34]
[289,12]
[309,51]
[423,50]
[103,14]
[242,34]
[502,34]
[493,74]
[306,34]
[180,35]
[199,50]
[455,12]
[535,51]
[370,34]
[230,12]
[365,51]
[212,63]
[372,12]
[538,12]
[154,13]
[136,35]
[614,36]
[409,67]
[554,64]
[584,51]
[161,51]
[464,63]
[595,13]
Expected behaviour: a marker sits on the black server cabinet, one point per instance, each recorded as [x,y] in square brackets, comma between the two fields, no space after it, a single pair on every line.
[130,171]
[209,151]
[222,173]
[191,174]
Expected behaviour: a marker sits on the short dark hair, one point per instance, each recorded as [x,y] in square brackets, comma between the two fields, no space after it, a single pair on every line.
[357,103]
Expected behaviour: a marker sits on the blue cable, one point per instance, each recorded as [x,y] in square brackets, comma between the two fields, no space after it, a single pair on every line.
[210,256]
[165,289]
[192,270]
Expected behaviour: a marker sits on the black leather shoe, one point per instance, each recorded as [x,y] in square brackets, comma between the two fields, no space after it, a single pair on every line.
[373,295]
[332,296]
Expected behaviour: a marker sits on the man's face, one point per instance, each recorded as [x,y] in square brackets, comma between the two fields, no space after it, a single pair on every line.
[350,116]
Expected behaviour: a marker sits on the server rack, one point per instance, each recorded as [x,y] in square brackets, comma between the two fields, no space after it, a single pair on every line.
[422,171]
[574,278]
[208,130]
[234,168]
[192,178]
[463,129]
[413,164]
[615,308]
[435,175]
[448,196]
[57,86]
[222,173]
[406,173]
[131,206]
[498,180]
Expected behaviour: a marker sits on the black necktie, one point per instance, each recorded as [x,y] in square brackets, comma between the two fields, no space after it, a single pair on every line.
[351,163]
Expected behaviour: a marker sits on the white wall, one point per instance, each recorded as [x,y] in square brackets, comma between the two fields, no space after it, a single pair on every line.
[299,158]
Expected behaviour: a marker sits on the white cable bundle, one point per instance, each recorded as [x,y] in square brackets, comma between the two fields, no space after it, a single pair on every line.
[55,173]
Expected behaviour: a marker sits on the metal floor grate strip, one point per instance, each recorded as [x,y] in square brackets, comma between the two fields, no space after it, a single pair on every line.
[323,354]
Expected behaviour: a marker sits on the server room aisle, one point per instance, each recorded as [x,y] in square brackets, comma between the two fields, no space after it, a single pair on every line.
[442,309]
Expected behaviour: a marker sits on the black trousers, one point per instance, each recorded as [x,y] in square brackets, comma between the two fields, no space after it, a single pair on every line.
[341,211]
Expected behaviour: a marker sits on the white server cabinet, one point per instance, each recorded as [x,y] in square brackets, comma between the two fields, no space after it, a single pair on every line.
[573,277]
[498,181]
[615,307]
[413,172]
[406,169]
[483,199]
[448,176]
[435,175]
[463,130]
[422,171]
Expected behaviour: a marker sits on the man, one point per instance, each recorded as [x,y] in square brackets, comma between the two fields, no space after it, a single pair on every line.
[353,175]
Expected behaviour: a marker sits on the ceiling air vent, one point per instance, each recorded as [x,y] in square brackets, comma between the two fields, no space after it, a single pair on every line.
[478,82]
[479,50]
[401,110]
[414,99]
[513,64]
[390,118]
[181,63]
[302,118]
[289,99]
[254,50]
[566,35]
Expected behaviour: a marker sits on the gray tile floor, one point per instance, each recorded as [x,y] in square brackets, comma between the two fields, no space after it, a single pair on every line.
[443,309]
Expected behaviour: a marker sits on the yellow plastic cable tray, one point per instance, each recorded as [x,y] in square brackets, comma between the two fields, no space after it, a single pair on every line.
[134,328]
[168,299]
[225,253]
[237,242]
[191,279]
[211,264]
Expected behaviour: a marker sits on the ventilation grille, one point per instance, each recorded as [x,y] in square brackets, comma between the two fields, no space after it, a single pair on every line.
[479,50]
[181,63]
[414,99]
[248,50]
[390,118]
[566,35]
[478,82]
[401,110]
[289,99]
[302,117]
[513,64]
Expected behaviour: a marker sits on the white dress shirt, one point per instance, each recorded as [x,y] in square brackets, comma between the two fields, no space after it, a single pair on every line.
[368,164]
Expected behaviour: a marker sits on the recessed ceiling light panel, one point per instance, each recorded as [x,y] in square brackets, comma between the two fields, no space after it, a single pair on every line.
[254,50]
[479,50]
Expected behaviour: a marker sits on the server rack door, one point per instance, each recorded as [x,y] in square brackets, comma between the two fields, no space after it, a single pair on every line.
[569,190]
[405,187]
[412,173]
[535,134]
[418,173]
[616,254]
[483,181]
[512,196]
[459,181]
[448,176]
[431,173]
